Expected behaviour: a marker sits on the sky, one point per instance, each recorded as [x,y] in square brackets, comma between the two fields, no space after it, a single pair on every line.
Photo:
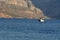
[51,8]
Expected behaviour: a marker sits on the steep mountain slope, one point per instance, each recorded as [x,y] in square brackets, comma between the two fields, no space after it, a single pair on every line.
[18,10]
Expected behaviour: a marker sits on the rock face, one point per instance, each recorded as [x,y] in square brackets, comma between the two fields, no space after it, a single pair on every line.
[19,9]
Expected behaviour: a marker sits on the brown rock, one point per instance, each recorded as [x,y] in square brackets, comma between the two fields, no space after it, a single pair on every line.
[2,15]
[20,9]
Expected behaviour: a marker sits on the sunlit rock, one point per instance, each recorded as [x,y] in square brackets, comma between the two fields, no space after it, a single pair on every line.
[21,9]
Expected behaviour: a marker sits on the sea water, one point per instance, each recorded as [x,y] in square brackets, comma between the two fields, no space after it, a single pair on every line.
[29,29]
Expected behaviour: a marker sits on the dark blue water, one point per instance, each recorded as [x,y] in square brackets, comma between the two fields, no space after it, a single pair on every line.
[29,29]
[51,8]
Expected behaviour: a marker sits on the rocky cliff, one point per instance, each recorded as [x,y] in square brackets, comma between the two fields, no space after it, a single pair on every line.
[19,9]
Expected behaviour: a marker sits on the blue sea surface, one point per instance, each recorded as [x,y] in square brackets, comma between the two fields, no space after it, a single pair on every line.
[29,29]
